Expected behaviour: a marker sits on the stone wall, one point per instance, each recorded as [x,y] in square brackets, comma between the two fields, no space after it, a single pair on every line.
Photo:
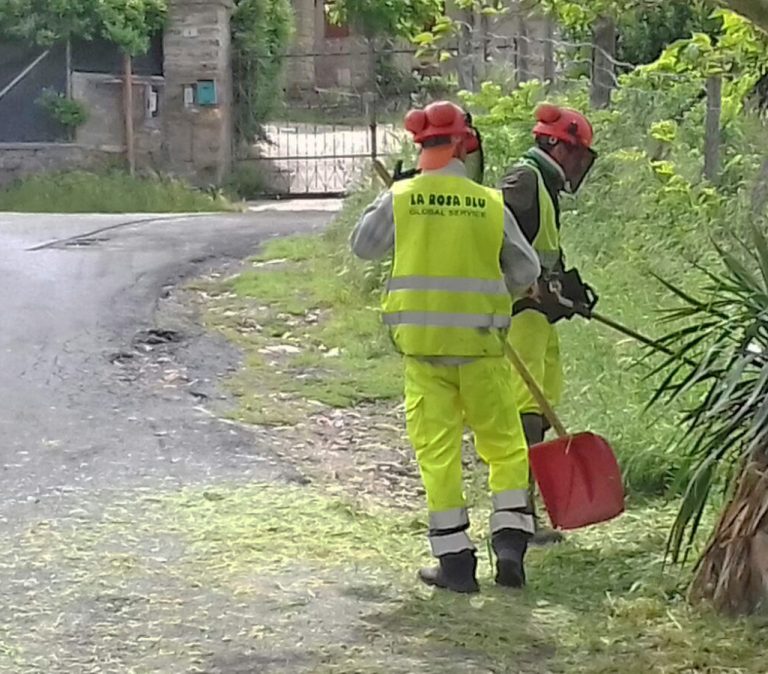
[105,127]
[197,46]
[18,160]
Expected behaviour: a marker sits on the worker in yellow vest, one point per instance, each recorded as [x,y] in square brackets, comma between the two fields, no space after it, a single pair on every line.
[459,258]
[559,162]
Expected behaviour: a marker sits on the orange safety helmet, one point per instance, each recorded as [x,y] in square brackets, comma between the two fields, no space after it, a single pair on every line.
[564,124]
[434,127]
[442,118]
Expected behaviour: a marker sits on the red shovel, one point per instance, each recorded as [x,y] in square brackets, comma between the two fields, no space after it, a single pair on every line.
[578,475]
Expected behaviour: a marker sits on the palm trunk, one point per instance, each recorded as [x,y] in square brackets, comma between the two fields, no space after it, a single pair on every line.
[733,571]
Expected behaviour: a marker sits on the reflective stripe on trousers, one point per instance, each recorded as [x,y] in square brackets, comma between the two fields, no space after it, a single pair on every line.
[443,320]
[450,544]
[512,519]
[448,284]
[448,532]
[449,520]
[515,499]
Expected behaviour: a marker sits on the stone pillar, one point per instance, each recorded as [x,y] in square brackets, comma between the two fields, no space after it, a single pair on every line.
[198,50]
[300,66]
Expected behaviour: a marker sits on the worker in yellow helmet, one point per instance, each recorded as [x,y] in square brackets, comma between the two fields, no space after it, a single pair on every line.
[559,162]
[459,258]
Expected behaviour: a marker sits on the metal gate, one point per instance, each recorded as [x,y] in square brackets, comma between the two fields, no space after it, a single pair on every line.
[306,159]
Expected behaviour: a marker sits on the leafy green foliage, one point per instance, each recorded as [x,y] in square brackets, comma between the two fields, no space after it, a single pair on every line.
[644,29]
[46,22]
[260,31]
[386,18]
[582,14]
[645,32]
[644,208]
[754,10]
[130,23]
[127,23]
[66,111]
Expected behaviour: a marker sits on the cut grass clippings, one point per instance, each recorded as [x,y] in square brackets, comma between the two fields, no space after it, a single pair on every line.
[112,192]
[601,603]
[303,580]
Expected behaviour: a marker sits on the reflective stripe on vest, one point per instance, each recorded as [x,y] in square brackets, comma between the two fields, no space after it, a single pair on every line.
[457,285]
[446,295]
[547,241]
[441,320]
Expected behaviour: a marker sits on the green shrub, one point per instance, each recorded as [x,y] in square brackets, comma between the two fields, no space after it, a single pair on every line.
[113,192]
[247,182]
[66,111]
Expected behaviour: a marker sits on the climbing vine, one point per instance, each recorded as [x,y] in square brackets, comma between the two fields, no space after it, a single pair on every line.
[261,30]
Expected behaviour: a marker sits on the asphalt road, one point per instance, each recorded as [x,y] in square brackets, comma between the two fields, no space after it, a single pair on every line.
[87,403]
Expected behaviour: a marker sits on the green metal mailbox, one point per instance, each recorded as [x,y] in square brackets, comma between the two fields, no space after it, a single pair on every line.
[206,94]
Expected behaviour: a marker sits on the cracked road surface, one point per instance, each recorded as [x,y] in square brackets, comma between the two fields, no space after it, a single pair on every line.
[79,291]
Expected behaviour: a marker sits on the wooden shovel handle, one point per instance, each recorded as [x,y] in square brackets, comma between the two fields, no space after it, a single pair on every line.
[536,392]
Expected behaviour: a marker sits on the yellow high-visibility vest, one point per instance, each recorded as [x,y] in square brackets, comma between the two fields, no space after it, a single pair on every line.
[446,295]
[547,241]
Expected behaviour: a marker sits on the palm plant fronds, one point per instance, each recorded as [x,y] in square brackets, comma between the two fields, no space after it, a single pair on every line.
[724,332]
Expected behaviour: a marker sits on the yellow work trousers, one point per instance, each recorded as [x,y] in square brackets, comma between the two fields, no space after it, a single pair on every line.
[536,341]
[439,400]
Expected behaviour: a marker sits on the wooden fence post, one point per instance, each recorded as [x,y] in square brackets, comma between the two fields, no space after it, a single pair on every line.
[712,138]
[549,52]
[523,51]
[130,149]
[603,61]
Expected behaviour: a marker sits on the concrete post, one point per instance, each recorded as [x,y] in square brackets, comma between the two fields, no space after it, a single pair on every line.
[198,101]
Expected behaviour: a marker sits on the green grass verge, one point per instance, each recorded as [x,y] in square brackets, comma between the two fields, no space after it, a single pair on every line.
[601,603]
[606,391]
[305,296]
[113,192]
[176,581]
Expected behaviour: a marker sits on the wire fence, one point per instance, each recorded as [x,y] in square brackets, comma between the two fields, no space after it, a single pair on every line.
[352,91]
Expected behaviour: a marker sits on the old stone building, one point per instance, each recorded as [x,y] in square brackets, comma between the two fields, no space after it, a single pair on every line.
[182,100]
[326,56]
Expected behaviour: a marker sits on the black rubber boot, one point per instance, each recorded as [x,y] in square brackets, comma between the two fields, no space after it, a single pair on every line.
[545,536]
[456,572]
[535,427]
[510,547]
